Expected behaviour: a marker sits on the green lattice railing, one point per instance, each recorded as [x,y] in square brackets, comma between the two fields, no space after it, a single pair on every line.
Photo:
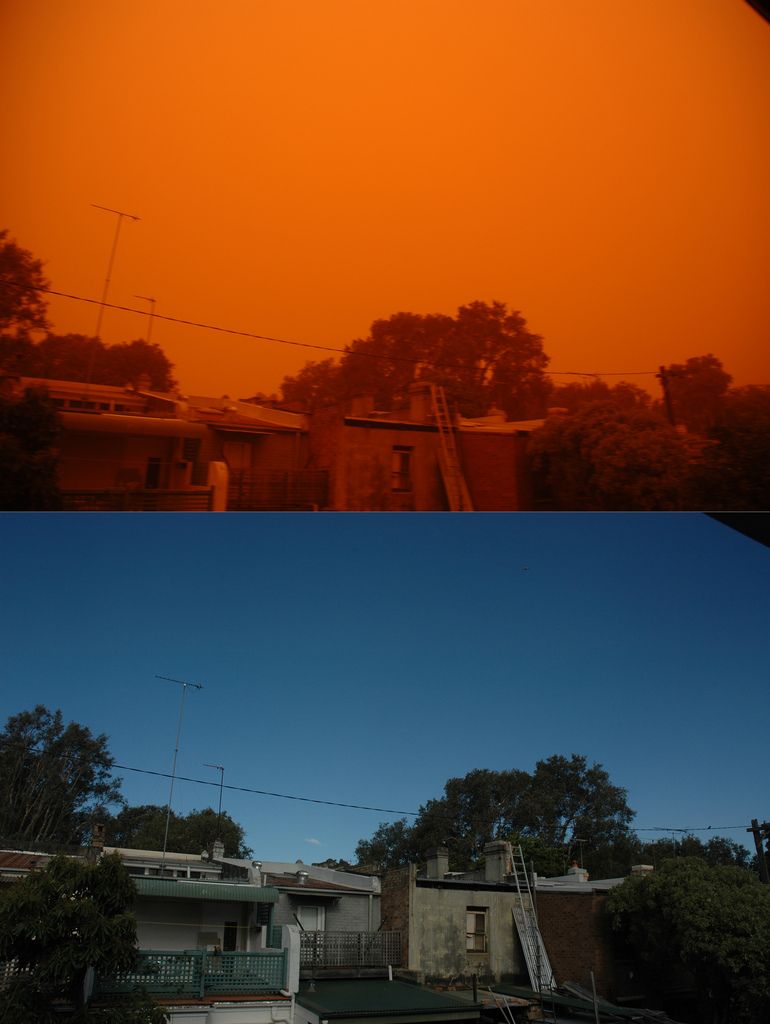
[197,973]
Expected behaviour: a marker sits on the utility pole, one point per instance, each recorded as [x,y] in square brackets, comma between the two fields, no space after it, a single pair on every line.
[662,376]
[761,832]
[184,685]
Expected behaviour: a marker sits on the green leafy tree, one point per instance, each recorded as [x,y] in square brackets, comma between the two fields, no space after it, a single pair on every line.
[561,800]
[606,458]
[60,924]
[29,431]
[711,921]
[22,308]
[53,779]
[144,828]
[483,356]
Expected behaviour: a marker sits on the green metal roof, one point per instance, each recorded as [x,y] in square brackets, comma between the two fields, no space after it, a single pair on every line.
[357,1000]
[232,892]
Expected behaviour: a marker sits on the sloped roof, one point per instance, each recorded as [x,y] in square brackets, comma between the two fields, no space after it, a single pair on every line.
[293,883]
[181,888]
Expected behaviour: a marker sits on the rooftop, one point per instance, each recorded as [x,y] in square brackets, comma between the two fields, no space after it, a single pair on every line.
[398,1000]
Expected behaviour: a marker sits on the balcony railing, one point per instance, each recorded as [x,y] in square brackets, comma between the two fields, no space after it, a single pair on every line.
[282,490]
[123,500]
[350,949]
[197,973]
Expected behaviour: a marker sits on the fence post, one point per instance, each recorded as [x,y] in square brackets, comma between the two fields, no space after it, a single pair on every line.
[202,962]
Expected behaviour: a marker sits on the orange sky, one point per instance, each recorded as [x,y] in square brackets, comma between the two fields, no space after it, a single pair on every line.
[302,168]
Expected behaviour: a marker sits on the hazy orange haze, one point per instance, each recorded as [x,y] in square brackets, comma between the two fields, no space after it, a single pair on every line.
[302,168]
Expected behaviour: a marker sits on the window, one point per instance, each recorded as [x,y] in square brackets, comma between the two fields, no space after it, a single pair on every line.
[230,940]
[476,929]
[400,468]
[312,919]
[152,476]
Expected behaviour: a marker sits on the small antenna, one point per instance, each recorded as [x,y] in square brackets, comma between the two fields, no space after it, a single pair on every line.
[220,768]
[184,685]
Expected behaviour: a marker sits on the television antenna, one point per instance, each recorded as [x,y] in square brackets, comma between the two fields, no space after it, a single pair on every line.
[184,684]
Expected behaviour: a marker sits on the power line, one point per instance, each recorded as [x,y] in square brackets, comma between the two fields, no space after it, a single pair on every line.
[328,348]
[387,810]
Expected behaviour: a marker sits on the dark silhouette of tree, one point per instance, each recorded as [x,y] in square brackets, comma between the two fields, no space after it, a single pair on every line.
[22,308]
[697,389]
[483,356]
[29,431]
[78,357]
[53,779]
[606,458]
[733,474]
[572,397]
[714,921]
[143,828]
[561,800]
[57,925]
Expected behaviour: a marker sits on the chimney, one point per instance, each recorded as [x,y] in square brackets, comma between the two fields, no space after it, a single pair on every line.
[302,877]
[362,406]
[438,861]
[642,869]
[578,873]
[96,846]
[255,872]
[218,849]
[497,863]
[419,402]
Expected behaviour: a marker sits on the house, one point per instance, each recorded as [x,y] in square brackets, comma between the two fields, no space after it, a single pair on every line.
[456,925]
[207,948]
[412,459]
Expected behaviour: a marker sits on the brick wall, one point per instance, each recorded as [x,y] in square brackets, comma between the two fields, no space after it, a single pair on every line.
[394,905]
[578,939]
[495,471]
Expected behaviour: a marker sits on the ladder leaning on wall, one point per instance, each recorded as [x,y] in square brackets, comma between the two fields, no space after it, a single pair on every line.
[535,955]
[448,456]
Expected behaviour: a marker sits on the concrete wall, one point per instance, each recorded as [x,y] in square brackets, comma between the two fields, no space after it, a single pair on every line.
[432,922]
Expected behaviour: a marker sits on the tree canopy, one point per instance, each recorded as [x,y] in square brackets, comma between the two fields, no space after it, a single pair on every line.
[143,828]
[22,307]
[608,458]
[712,921]
[483,356]
[562,800]
[57,925]
[29,431]
[53,779]
[78,357]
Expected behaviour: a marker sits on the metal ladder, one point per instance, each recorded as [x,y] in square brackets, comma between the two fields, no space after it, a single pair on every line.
[448,457]
[535,955]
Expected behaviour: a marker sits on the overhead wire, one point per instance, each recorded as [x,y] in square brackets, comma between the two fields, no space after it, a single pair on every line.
[328,348]
[387,810]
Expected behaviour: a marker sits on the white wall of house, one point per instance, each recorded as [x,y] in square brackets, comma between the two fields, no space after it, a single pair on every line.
[189,924]
[278,1012]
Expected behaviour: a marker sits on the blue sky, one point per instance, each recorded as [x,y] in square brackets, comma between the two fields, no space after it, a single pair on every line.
[366,659]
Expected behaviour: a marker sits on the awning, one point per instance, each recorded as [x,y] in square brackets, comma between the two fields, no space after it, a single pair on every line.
[114,423]
[180,888]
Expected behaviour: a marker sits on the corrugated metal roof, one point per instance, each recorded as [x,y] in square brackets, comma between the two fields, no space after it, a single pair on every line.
[232,892]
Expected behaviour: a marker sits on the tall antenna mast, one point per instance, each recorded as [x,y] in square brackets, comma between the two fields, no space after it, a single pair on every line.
[184,685]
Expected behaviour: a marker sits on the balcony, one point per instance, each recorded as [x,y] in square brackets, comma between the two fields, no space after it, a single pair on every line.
[196,974]
[349,950]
